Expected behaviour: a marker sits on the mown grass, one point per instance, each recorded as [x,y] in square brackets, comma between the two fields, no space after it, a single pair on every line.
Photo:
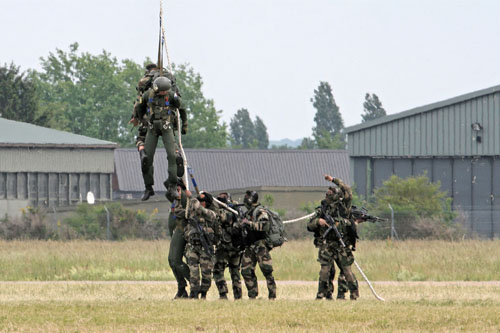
[147,306]
[470,260]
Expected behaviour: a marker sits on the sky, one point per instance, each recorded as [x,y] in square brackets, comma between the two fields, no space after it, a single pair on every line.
[268,56]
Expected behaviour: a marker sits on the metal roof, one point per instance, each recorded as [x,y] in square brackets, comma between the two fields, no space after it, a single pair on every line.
[15,133]
[423,109]
[238,169]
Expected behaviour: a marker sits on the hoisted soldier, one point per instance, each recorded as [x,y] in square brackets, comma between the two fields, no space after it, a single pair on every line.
[228,252]
[257,250]
[200,237]
[337,204]
[159,105]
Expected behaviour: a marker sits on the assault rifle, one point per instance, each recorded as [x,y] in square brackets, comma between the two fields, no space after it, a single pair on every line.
[203,237]
[362,214]
[331,225]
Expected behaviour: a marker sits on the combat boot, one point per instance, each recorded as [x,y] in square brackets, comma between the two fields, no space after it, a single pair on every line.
[223,296]
[148,193]
[193,294]
[354,294]
[329,296]
[341,295]
[181,293]
[180,164]
[203,294]
[144,160]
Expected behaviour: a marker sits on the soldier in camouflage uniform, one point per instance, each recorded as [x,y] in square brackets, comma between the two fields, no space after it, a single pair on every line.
[158,106]
[228,252]
[176,226]
[337,204]
[257,250]
[199,257]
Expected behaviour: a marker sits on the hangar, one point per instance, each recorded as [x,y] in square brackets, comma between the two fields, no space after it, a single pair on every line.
[43,167]
[456,142]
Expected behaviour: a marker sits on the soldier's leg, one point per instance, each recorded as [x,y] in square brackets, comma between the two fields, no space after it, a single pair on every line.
[325,259]
[207,266]
[331,276]
[248,262]
[266,266]
[341,285]
[346,259]
[234,270]
[148,173]
[219,267]
[179,268]
[169,143]
[193,259]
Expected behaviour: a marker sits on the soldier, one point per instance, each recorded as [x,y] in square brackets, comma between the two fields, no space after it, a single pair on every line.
[159,104]
[256,223]
[337,204]
[176,225]
[200,236]
[228,253]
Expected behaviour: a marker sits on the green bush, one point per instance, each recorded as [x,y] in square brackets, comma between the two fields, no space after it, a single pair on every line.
[31,225]
[421,210]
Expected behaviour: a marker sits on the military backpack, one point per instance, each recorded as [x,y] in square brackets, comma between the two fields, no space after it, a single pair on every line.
[275,234]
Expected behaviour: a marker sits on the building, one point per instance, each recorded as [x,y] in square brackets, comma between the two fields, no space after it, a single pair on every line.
[45,167]
[293,177]
[456,142]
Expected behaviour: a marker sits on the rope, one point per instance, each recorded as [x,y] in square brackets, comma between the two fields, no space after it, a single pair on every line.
[179,135]
[299,219]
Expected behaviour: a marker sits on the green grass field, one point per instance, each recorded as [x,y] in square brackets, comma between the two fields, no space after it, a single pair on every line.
[147,306]
[127,286]
[296,260]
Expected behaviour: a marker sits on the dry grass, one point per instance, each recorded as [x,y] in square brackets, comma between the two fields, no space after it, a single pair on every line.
[147,306]
[296,260]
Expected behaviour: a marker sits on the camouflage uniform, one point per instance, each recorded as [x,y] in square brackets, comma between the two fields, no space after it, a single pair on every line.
[330,249]
[176,226]
[160,113]
[197,256]
[227,255]
[257,251]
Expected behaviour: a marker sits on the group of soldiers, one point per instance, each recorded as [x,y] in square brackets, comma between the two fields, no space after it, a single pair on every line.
[210,233]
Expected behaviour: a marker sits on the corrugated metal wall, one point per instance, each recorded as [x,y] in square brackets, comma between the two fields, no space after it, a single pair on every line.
[472,183]
[445,131]
[54,189]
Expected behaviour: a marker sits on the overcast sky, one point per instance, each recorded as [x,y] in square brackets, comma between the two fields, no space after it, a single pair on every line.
[269,55]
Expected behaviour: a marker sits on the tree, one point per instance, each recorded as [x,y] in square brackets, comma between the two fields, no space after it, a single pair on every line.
[329,124]
[87,94]
[261,134]
[421,209]
[205,129]
[242,130]
[307,143]
[18,99]
[372,108]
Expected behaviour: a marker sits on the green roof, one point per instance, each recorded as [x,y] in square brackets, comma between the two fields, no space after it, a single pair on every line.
[15,133]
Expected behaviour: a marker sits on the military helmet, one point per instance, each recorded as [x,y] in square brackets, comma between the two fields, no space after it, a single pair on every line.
[251,198]
[161,84]
[333,194]
[205,197]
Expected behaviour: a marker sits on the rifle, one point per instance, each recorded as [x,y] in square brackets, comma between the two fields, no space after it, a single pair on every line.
[331,225]
[362,214]
[203,237]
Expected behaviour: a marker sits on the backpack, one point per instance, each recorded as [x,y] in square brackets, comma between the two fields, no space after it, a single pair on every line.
[275,235]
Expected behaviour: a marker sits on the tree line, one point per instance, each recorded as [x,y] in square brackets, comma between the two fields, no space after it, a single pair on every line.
[93,95]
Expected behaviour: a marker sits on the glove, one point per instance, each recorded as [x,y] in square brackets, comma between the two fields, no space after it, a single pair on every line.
[184,129]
